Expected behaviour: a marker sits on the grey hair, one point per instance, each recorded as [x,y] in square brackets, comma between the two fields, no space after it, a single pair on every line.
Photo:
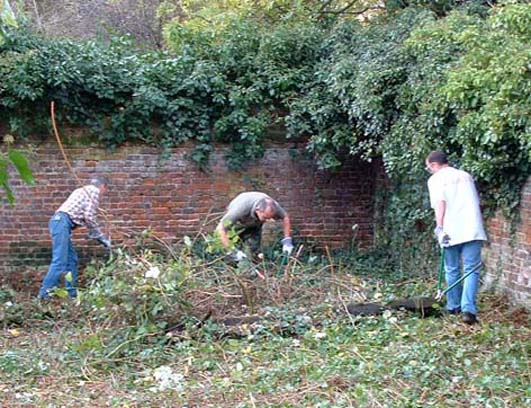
[99,181]
[268,203]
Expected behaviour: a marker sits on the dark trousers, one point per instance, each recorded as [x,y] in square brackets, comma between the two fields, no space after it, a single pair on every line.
[251,237]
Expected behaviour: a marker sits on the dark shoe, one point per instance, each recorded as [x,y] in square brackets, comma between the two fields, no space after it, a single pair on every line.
[453,311]
[469,318]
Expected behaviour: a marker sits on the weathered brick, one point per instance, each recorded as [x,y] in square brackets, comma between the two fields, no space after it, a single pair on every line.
[509,252]
[172,197]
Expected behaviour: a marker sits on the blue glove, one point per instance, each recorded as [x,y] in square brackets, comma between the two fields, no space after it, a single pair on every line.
[287,245]
[442,237]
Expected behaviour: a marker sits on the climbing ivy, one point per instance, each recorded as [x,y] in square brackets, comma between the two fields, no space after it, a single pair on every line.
[411,80]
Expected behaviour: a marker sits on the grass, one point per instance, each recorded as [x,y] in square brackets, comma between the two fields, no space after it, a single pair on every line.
[111,347]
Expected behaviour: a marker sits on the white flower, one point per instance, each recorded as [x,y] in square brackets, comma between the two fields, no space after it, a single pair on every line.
[167,379]
[8,304]
[319,335]
[153,272]
[43,366]
[387,314]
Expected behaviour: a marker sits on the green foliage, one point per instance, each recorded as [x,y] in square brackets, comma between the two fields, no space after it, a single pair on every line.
[424,76]
[19,161]
[460,97]
[305,351]
[486,90]
[228,93]
[410,83]
[404,226]
[351,105]
[210,20]
[144,291]
[7,19]
[256,73]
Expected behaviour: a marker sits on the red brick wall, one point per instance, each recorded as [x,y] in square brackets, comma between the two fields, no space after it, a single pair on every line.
[508,255]
[173,198]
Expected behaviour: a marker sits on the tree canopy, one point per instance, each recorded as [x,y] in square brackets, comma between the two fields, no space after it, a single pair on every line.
[394,83]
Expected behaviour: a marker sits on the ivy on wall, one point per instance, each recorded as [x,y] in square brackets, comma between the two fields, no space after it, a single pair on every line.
[408,82]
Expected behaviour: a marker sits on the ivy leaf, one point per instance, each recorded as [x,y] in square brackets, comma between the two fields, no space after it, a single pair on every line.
[7,16]
[4,181]
[21,163]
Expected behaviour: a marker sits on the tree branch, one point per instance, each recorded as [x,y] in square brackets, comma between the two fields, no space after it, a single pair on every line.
[354,13]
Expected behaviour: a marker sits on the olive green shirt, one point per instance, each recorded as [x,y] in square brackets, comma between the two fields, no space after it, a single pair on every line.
[241,211]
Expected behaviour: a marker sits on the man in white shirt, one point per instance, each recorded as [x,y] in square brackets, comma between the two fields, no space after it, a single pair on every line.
[459,230]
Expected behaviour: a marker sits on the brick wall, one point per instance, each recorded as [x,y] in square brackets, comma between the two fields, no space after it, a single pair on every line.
[508,254]
[173,198]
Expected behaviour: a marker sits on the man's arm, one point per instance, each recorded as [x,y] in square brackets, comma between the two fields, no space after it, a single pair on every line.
[440,211]
[287,226]
[287,242]
[442,237]
[222,231]
[91,212]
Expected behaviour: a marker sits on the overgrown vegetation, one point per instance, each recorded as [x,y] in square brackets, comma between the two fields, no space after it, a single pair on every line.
[11,157]
[153,330]
[414,77]
[409,81]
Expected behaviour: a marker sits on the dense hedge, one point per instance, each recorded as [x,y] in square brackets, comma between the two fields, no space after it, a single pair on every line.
[396,88]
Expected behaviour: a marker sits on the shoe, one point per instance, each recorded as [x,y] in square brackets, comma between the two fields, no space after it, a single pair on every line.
[455,311]
[469,318]
[44,299]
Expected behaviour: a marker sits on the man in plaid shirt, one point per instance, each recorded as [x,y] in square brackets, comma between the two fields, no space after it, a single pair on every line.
[80,209]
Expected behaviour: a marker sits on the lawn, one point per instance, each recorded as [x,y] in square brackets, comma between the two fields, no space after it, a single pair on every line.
[184,339]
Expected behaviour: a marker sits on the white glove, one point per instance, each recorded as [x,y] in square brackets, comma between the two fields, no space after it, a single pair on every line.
[106,242]
[442,237]
[287,245]
[237,255]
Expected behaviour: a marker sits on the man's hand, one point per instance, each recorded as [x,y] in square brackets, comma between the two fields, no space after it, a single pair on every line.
[106,242]
[237,255]
[287,245]
[442,237]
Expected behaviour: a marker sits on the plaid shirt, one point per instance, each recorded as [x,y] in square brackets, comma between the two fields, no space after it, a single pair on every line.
[82,208]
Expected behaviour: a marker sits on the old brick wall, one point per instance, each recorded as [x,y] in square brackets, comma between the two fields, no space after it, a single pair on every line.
[173,198]
[508,254]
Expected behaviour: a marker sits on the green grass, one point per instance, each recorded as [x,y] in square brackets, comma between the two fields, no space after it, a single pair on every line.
[105,349]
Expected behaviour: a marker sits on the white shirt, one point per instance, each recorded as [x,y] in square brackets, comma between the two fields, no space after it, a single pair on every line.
[462,218]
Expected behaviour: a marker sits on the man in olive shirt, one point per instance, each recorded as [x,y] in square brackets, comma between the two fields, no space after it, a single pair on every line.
[246,214]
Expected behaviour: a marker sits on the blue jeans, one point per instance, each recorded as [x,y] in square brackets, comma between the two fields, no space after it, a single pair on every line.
[463,296]
[64,256]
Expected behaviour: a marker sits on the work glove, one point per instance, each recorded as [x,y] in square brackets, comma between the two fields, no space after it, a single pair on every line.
[287,245]
[442,237]
[106,242]
[237,255]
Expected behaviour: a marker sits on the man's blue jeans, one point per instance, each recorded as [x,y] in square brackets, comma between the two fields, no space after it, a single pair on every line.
[64,256]
[463,296]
